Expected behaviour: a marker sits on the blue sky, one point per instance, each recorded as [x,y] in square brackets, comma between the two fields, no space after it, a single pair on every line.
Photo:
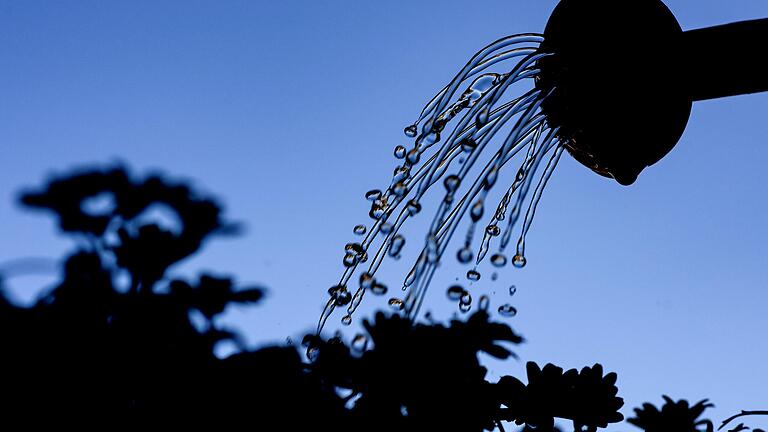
[289,112]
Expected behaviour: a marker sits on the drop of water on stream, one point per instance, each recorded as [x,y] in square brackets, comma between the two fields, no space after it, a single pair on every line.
[373,195]
[410,131]
[485,302]
[465,302]
[396,304]
[359,229]
[507,310]
[455,292]
[473,275]
[464,255]
[379,289]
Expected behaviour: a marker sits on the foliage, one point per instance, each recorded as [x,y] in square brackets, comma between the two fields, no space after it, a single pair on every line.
[677,416]
[119,341]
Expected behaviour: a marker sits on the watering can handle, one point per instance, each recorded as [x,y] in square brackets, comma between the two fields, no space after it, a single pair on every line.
[726,60]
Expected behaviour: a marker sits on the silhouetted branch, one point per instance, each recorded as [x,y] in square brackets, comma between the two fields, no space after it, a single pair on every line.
[743,413]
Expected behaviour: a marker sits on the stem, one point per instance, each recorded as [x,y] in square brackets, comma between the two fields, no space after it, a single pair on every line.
[743,413]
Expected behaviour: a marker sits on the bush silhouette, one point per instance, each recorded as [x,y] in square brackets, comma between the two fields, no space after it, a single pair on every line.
[116,343]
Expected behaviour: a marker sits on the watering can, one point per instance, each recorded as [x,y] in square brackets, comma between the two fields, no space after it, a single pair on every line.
[624,75]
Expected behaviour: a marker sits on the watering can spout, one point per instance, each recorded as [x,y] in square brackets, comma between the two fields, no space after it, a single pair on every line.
[620,89]
[726,60]
[626,178]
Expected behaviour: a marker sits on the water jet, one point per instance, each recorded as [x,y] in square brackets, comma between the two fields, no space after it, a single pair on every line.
[613,85]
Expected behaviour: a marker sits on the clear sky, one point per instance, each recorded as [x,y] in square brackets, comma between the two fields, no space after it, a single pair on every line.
[289,112]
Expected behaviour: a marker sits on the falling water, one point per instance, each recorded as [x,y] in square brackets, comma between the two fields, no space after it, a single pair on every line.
[450,134]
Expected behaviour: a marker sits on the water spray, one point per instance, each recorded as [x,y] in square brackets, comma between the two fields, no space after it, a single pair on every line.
[610,82]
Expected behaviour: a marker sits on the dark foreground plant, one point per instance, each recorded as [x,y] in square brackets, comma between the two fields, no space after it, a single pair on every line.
[121,342]
[673,416]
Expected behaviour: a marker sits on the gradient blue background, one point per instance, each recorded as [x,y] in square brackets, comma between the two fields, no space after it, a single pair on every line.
[289,111]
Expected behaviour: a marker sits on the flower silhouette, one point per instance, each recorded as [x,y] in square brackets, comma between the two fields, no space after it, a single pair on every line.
[586,397]
[145,351]
[673,416]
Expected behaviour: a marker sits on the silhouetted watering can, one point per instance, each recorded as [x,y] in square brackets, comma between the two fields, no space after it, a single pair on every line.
[625,76]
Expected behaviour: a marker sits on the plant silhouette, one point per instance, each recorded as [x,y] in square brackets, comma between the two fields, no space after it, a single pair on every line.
[678,416]
[120,343]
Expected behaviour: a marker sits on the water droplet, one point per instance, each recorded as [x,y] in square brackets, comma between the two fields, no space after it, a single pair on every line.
[376,212]
[494,276]
[465,307]
[498,260]
[484,82]
[379,288]
[340,295]
[350,259]
[482,118]
[398,241]
[432,256]
[493,230]
[359,342]
[455,292]
[519,261]
[413,207]
[490,179]
[452,183]
[355,248]
[473,275]
[386,228]
[431,138]
[477,211]
[464,255]
[359,229]
[410,131]
[413,156]
[466,298]
[366,280]
[346,320]
[414,272]
[401,173]
[512,290]
[484,302]
[400,189]
[396,304]
[373,195]
[468,144]
[400,152]
[507,310]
